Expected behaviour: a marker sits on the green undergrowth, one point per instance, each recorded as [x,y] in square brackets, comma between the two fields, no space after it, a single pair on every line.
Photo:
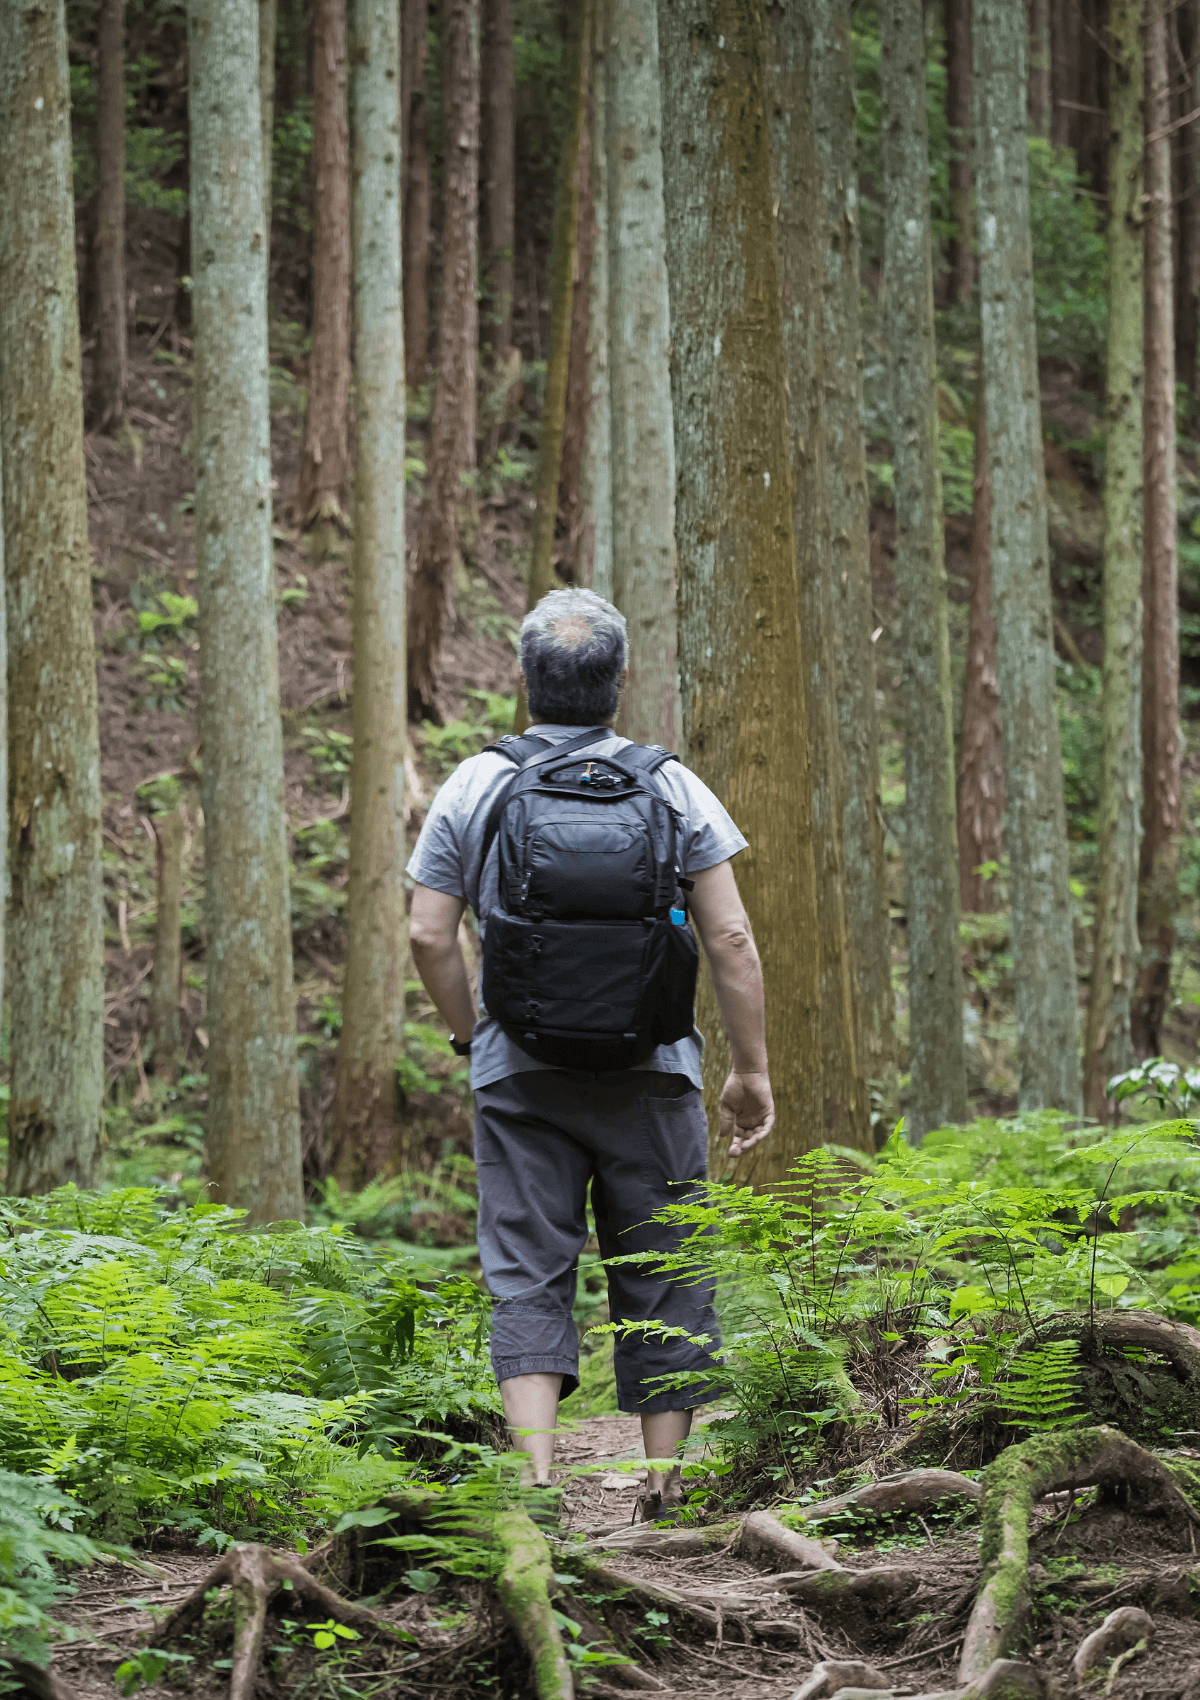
[187,1378]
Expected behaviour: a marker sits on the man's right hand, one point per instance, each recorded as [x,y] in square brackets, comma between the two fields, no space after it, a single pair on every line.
[747,1111]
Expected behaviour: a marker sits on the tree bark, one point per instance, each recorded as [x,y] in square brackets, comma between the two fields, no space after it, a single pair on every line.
[325,453]
[416,229]
[594,551]
[1107,1043]
[372,1037]
[1039,68]
[1186,145]
[848,507]
[166,979]
[799,225]
[499,173]
[268,15]
[935,991]
[110,362]
[56,913]
[739,638]
[253,1116]
[579,381]
[957,24]
[448,507]
[981,766]
[1064,70]
[1158,894]
[639,335]
[1035,827]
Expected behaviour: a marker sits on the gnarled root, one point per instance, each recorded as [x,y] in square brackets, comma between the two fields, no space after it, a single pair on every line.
[913,1490]
[834,1674]
[1121,1330]
[1123,1629]
[1012,1485]
[42,1684]
[1004,1679]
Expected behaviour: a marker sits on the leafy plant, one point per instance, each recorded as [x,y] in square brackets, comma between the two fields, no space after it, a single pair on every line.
[145,1666]
[1041,1391]
[330,750]
[37,1537]
[177,615]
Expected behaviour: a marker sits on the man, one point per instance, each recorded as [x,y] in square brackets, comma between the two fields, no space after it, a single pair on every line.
[638,1135]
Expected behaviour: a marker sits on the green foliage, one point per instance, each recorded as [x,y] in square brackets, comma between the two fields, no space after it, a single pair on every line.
[175,1370]
[1173,1090]
[1070,263]
[958,468]
[145,1666]
[1042,1389]
[330,751]
[37,1539]
[445,746]
[1081,733]
[292,145]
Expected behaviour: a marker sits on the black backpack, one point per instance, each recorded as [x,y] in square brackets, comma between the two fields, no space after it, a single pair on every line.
[588,961]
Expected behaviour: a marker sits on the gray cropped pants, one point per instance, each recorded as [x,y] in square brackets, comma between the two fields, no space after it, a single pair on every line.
[641,1140]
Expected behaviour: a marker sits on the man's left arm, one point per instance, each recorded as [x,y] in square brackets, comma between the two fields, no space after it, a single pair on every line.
[438,957]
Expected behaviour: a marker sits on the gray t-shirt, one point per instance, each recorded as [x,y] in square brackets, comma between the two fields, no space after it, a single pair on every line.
[448,854]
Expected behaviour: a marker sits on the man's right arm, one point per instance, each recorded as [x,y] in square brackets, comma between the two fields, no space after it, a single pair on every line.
[747,1111]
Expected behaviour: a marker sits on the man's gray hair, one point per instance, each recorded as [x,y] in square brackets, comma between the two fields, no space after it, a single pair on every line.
[573,652]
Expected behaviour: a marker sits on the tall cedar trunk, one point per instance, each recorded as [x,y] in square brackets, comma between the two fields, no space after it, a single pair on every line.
[1187,142]
[981,765]
[372,1037]
[325,454]
[1107,1042]
[639,335]
[562,292]
[107,400]
[268,15]
[416,241]
[579,382]
[935,992]
[739,636]
[452,436]
[1091,130]
[799,225]
[1035,823]
[56,914]
[1158,895]
[1039,68]
[848,507]
[957,24]
[1064,70]
[253,1116]
[166,979]
[498,158]
[4,870]
[593,555]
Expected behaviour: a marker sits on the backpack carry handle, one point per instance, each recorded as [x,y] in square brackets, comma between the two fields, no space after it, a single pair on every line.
[508,747]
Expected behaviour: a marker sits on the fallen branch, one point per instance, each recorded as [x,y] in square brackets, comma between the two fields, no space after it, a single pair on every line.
[1124,1628]
[914,1490]
[1012,1485]
[833,1674]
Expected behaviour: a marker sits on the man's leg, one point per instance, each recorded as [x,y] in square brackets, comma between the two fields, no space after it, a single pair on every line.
[531,1412]
[663,1435]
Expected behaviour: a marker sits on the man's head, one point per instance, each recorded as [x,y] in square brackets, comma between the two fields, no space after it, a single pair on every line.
[573,657]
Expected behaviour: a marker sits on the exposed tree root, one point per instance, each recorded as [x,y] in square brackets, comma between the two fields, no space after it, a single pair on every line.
[1125,1628]
[756,1536]
[1122,1330]
[1013,1484]
[833,1674]
[913,1490]
[1004,1679]
[525,1584]
[42,1684]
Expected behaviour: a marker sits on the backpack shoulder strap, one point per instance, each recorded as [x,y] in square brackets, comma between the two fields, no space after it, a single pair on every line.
[513,748]
[646,758]
[516,748]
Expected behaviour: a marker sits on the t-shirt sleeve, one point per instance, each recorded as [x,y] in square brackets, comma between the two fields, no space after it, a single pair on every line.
[712,835]
[437,859]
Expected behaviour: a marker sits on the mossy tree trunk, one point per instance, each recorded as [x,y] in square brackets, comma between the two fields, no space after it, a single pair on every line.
[639,323]
[253,1113]
[449,505]
[415,164]
[593,551]
[372,1036]
[498,157]
[799,224]
[848,509]
[325,453]
[742,688]
[110,360]
[56,938]
[1158,894]
[1107,1047]
[1035,823]
[981,765]
[935,991]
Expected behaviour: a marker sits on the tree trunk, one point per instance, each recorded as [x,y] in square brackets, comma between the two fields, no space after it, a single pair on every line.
[981,766]
[1187,140]
[848,507]
[935,991]
[799,226]
[416,240]
[739,636]
[1039,68]
[325,454]
[1107,1044]
[1091,129]
[372,1037]
[1158,895]
[1035,824]
[56,912]
[166,981]
[253,1106]
[499,173]
[109,365]
[1064,70]
[268,13]
[579,382]
[957,23]
[594,552]
[448,507]
[639,335]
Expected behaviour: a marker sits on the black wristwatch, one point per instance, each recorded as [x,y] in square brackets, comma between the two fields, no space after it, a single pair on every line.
[459,1048]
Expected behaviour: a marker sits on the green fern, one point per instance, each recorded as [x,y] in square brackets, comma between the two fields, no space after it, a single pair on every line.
[1042,1389]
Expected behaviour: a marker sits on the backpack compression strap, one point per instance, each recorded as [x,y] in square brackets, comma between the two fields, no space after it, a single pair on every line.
[517,751]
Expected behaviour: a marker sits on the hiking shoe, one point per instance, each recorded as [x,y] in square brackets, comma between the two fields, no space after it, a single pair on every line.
[654,1506]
